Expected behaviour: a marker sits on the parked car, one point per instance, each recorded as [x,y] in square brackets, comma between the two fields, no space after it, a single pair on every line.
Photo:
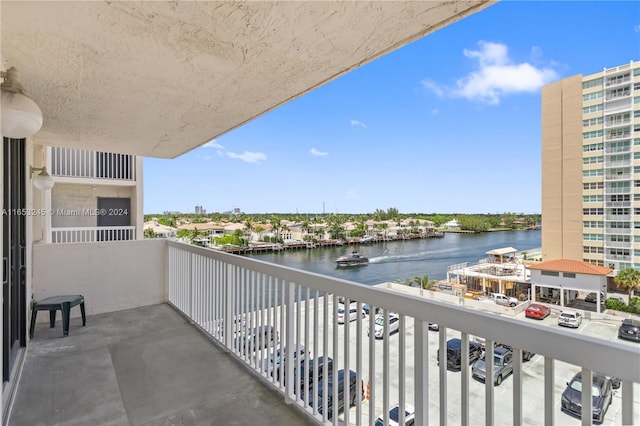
[433,326]
[279,356]
[629,329]
[601,391]
[353,314]
[570,319]
[394,417]
[353,392]
[593,298]
[321,364]
[526,355]
[257,338]
[367,308]
[454,353]
[394,325]
[537,311]
[502,365]
[502,299]
[342,299]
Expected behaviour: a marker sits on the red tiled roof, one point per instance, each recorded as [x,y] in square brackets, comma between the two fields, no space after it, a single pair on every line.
[575,266]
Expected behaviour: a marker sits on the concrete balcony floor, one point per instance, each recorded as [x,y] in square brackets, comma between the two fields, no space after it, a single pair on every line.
[143,366]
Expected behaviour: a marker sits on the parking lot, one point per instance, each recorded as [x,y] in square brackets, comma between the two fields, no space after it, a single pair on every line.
[533,373]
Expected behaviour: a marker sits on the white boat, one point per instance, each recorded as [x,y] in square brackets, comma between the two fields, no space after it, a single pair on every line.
[353,258]
[366,239]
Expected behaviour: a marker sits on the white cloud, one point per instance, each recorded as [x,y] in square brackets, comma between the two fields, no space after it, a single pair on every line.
[317,153]
[433,86]
[212,144]
[249,157]
[496,75]
[356,123]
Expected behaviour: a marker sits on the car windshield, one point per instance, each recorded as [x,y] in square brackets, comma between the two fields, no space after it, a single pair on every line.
[498,360]
[341,311]
[394,414]
[380,321]
[534,308]
[566,315]
[577,386]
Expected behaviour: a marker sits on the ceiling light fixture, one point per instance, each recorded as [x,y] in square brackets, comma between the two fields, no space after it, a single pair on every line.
[43,180]
[21,116]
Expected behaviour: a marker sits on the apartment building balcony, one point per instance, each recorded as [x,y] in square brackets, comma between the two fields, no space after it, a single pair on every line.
[614,136]
[68,165]
[618,244]
[618,149]
[91,234]
[617,257]
[617,204]
[616,104]
[619,231]
[617,176]
[165,321]
[619,163]
[613,81]
[608,123]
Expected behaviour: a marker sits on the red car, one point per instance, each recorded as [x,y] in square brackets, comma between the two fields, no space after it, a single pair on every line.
[537,311]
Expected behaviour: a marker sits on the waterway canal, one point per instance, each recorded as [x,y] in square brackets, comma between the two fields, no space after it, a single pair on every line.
[399,260]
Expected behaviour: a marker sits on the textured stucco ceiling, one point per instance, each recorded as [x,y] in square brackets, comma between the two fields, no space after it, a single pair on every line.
[161,78]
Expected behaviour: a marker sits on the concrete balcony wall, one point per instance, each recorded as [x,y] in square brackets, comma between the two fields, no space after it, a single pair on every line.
[112,276]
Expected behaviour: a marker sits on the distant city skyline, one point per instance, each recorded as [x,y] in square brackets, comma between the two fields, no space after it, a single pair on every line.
[448,124]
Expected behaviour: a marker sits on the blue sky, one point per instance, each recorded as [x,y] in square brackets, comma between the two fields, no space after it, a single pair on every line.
[447,124]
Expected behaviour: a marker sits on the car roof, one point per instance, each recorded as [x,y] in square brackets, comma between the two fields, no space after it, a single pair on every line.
[570,312]
[598,378]
[501,350]
[631,321]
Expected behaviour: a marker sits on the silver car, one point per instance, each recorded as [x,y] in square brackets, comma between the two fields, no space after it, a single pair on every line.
[502,365]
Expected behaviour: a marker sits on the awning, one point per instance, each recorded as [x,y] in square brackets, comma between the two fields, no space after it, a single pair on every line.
[502,251]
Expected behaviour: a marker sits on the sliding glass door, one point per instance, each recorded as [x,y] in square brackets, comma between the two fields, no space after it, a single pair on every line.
[13,252]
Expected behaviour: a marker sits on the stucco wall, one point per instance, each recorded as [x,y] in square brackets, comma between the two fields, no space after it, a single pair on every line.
[112,276]
[75,198]
[582,282]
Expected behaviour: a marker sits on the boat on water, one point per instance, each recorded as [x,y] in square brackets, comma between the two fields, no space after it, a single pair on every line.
[353,258]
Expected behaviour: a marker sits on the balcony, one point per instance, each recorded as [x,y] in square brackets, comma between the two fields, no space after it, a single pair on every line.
[82,163]
[91,234]
[150,365]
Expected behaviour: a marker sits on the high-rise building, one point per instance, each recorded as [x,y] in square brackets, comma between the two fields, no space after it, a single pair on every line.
[200,210]
[591,168]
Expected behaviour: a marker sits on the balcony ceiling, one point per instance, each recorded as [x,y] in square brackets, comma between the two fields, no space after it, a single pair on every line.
[161,78]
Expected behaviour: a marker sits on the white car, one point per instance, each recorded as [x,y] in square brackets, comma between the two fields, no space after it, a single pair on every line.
[353,314]
[394,417]
[570,319]
[394,325]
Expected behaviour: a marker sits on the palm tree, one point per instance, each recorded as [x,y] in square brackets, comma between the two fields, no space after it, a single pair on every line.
[628,279]
[249,229]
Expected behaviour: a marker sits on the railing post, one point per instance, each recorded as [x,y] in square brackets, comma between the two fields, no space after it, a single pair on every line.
[488,381]
[421,363]
[289,329]
[228,309]
[464,377]
[586,399]
[517,385]
[549,402]
[442,359]
[627,403]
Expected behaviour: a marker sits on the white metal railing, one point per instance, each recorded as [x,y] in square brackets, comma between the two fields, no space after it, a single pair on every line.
[227,295]
[82,163]
[92,234]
